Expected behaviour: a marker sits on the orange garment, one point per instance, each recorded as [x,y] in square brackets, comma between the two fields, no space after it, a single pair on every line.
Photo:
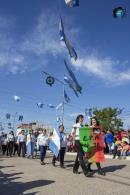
[98,152]
[126,147]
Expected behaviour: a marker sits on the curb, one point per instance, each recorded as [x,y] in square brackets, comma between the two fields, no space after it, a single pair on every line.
[106,156]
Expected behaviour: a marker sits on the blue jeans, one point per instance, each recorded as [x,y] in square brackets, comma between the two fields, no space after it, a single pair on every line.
[30,148]
[42,152]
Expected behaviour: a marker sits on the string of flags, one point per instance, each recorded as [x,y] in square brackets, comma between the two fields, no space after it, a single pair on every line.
[89,112]
[8,117]
[16,98]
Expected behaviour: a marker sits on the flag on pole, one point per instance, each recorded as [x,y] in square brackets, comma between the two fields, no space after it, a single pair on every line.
[60,106]
[54,143]
[20,117]
[67,99]
[72,81]
[8,116]
[16,98]
[64,39]
[50,106]
[40,105]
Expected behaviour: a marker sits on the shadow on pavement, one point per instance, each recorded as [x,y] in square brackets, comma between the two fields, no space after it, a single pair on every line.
[10,187]
[2,167]
[113,168]
[69,161]
[113,180]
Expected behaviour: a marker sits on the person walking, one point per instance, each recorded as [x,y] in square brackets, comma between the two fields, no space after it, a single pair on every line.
[4,144]
[42,143]
[10,139]
[63,146]
[16,145]
[22,143]
[80,153]
[98,156]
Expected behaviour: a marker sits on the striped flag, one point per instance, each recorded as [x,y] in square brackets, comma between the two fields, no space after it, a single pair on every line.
[64,39]
[54,143]
[67,99]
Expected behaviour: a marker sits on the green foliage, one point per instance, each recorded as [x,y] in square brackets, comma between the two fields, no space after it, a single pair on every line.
[109,118]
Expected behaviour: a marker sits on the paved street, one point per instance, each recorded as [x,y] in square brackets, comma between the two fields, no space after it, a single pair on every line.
[27,176]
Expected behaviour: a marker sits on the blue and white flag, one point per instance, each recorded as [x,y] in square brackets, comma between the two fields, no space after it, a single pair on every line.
[61,30]
[50,106]
[72,81]
[64,39]
[89,112]
[59,106]
[40,105]
[54,143]
[58,119]
[16,98]
[67,99]
[8,116]
[72,3]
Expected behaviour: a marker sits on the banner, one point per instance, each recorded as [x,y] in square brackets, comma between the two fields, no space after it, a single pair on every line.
[92,143]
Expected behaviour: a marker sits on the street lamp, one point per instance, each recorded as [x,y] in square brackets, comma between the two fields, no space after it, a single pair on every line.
[50,81]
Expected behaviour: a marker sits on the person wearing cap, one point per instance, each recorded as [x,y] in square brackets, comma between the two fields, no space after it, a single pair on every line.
[80,154]
[22,143]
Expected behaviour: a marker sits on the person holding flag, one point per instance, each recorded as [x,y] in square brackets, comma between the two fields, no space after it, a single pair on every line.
[42,143]
[63,145]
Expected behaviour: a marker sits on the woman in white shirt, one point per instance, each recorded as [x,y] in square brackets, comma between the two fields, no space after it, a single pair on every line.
[80,153]
[42,143]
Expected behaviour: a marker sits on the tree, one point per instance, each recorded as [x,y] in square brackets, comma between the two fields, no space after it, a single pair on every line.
[109,118]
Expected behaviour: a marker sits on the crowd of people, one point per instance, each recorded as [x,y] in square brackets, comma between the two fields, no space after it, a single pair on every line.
[31,144]
[116,144]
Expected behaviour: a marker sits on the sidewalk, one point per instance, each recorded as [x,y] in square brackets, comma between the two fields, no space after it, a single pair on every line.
[107,156]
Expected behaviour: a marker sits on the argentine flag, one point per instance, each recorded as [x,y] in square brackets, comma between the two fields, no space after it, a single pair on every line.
[54,143]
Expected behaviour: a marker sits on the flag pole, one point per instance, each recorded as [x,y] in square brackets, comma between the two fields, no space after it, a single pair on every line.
[14,120]
[63,87]
[63,107]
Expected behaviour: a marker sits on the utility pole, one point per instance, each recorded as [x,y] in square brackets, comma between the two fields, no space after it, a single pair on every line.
[63,88]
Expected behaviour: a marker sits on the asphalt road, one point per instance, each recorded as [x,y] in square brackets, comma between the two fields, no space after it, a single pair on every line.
[26,176]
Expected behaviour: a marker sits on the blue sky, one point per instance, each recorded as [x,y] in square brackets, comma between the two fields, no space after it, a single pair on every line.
[29,44]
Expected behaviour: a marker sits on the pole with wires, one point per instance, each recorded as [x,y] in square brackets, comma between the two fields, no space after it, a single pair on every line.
[63,91]
[14,120]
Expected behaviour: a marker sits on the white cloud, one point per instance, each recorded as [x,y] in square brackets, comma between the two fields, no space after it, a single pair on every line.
[125,75]
[126,121]
[106,69]
[18,57]
[45,38]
